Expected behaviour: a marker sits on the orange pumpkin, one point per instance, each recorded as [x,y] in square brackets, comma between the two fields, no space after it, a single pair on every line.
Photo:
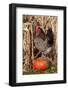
[40,64]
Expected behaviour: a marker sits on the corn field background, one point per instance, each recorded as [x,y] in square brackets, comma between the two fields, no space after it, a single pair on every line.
[28,35]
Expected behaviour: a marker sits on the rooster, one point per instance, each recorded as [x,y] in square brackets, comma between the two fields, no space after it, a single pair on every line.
[43,41]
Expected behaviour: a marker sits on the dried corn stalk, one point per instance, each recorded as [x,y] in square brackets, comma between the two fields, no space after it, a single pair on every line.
[28,46]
